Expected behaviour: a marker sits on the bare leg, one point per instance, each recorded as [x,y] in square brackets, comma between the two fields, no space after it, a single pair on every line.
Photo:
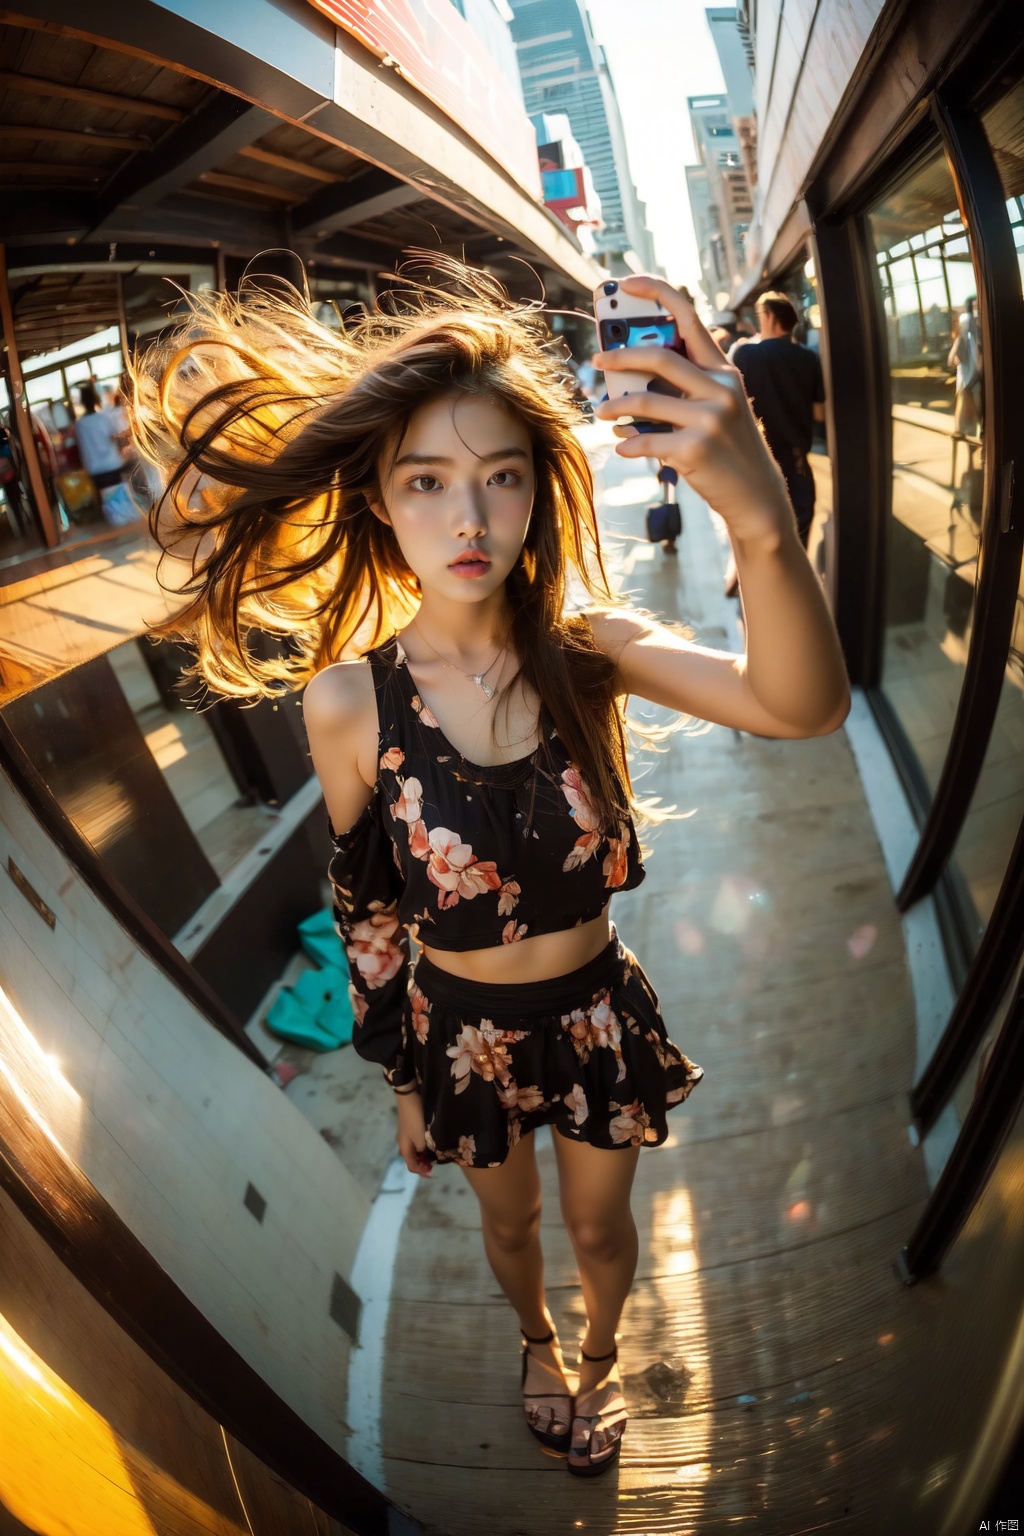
[510,1203]
[595,1187]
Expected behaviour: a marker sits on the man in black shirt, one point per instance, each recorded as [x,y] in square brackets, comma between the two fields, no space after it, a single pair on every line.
[784,384]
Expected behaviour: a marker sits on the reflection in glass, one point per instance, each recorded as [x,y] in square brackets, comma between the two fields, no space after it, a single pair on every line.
[997,806]
[929,292]
[1004,124]
[971,1084]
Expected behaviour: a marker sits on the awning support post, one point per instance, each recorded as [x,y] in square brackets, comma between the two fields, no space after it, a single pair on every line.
[19,407]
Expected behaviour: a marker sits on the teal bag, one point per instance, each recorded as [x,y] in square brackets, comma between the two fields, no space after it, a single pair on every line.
[320,940]
[316,1011]
[291,1020]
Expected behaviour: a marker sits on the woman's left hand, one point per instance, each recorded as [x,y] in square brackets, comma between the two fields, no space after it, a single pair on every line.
[715,442]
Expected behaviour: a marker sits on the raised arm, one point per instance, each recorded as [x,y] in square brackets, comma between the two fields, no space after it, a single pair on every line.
[792,680]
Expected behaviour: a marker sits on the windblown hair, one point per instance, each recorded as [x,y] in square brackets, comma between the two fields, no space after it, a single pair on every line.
[274,434]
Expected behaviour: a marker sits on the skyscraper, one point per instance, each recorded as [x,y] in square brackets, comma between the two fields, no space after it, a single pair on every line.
[724,25]
[721,185]
[719,196]
[563,69]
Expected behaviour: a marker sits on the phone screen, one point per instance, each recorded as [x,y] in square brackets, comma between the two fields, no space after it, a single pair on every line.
[645,331]
[640,331]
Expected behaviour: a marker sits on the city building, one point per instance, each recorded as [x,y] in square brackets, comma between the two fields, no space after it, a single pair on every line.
[568,184]
[723,22]
[564,69]
[714,280]
[491,21]
[720,197]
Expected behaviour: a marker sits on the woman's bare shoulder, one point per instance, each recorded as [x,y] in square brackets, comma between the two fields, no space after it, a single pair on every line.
[339,696]
[340,714]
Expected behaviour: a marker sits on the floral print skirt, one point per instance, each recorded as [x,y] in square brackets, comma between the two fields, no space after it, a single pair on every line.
[586,1053]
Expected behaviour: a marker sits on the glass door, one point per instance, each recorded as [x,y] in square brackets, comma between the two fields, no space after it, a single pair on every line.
[997,805]
[929,288]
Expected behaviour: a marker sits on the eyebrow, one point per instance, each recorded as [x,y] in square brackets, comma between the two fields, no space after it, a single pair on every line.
[485,458]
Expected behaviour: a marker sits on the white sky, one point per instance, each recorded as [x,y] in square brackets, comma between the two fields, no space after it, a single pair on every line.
[659,52]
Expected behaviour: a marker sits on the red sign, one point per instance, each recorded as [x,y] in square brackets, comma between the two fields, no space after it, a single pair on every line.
[438,52]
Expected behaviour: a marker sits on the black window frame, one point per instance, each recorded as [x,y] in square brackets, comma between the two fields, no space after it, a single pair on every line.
[860,438]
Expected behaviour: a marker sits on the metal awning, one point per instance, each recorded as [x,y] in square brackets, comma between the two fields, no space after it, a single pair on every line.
[290,134]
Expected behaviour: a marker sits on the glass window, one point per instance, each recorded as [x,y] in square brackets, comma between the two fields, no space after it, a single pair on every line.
[929,290]
[108,366]
[970,1085]
[997,806]
[40,391]
[1004,124]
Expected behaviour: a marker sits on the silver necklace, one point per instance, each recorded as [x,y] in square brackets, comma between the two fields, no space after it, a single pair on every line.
[479,678]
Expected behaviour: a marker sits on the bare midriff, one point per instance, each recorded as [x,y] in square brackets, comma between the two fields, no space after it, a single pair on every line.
[538,959]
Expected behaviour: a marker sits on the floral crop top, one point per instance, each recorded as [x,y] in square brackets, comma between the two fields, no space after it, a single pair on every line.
[464,855]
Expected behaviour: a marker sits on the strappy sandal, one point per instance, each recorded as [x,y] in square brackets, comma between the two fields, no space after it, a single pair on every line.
[547,1437]
[610,1422]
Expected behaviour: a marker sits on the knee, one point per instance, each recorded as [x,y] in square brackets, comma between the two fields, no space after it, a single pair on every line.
[598,1239]
[512,1233]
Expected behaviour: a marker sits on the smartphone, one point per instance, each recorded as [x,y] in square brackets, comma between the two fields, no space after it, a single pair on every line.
[623,320]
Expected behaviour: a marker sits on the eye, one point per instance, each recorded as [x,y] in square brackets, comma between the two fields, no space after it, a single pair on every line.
[505,479]
[424,483]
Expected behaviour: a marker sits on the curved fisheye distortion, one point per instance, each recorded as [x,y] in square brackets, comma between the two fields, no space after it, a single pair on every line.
[511,707]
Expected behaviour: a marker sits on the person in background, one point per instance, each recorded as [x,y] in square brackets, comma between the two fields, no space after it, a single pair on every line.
[101,445]
[726,329]
[586,377]
[10,484]
[45,452]
[784,384]
[97,432]
[965,357]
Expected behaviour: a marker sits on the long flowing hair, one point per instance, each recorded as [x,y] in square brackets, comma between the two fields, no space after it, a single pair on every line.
[275,432]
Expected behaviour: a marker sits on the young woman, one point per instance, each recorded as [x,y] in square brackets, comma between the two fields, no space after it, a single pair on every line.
[405,501]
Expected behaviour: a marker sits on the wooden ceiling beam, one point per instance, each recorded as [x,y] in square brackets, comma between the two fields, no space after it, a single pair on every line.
[367,196]
[208,137]
[47,168]
[203,219]
[286,163]
[126,141]
[11,80]
[243,184]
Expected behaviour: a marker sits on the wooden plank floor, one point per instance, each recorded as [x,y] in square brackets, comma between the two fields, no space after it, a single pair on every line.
[780,1380]
[63,616]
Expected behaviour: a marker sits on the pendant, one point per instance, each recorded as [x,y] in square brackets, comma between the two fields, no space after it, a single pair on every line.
[488,691]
